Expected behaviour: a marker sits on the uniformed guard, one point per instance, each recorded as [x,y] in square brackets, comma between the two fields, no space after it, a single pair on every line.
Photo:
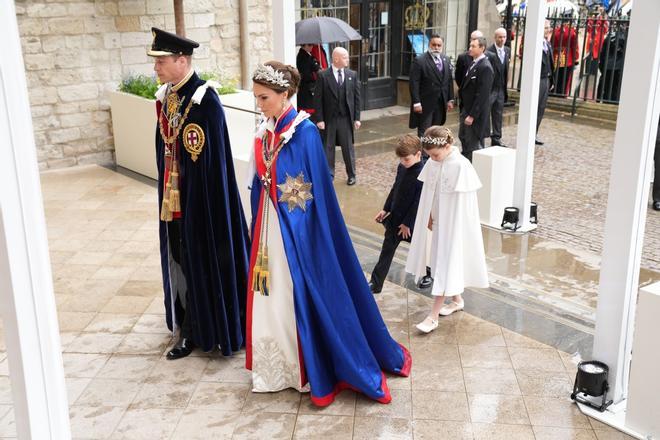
[203,234]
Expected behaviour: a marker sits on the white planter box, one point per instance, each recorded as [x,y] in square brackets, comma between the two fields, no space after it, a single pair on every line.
[134,130]
[134,127]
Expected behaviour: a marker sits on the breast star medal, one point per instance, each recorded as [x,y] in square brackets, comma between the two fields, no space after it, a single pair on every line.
[295,192]
[193,140]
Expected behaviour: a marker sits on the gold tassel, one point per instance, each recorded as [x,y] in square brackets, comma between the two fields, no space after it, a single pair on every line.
[174,196]
[175,201]
[265,281]
[165,211]
[256,273]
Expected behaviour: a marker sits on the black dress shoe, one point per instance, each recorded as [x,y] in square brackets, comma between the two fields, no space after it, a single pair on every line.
[351,181]
[182,349]
[538,142]
[656,206]
[374,288]
[425,282]
[498,144]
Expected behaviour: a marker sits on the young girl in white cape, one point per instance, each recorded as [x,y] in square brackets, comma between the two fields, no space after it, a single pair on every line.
[448,207]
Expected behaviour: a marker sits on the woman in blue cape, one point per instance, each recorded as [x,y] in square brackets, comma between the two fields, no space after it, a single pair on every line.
[312,323]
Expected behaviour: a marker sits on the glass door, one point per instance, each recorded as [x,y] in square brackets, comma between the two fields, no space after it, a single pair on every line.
[372,57]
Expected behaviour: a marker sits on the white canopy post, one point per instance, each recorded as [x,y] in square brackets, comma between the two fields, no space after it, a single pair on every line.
[284,31]
[529,101]
[27,304]
[627,202]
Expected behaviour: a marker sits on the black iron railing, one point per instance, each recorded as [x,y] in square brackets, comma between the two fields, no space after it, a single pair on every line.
[588,55]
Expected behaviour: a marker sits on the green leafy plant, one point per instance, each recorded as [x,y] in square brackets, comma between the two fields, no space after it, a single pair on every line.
[146,86]
[227,85]
[140,85]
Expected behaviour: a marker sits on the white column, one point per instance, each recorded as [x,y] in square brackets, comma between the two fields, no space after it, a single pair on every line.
[627,202]
[284,31]
[529,101]
[27,304]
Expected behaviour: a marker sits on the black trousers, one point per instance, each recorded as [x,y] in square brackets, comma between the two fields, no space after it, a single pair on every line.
[609,85]
[564,80]
[471,138]
[340,132]
[544,89]
[496,111]
[178,253]
[390,243]
[435,117]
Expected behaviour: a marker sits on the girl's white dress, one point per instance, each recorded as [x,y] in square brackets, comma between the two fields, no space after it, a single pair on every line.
[449,195]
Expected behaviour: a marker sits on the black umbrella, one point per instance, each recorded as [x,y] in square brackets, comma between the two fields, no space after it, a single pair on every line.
[319,30]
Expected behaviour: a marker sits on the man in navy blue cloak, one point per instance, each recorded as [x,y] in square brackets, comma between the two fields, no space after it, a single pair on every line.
[203,234]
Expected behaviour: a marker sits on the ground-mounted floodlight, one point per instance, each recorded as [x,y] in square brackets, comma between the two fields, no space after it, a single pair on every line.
[591,381]
[533,213]
[510,218]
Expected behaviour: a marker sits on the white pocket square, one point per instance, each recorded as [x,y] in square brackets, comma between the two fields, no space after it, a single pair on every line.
[473,77]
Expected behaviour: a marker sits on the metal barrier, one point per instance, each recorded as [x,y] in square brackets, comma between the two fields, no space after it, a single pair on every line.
[588,56]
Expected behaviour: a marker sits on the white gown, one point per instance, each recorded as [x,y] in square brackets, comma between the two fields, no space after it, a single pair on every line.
[449,195]
[276,359]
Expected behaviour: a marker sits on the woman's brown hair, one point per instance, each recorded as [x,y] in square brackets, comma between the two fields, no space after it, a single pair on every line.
[290,73]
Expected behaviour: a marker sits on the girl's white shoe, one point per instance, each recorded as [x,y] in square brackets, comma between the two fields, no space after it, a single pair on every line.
[452,307]
[428,325]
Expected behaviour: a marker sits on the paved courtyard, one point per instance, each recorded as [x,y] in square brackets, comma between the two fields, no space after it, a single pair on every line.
[471,379]
[571,178]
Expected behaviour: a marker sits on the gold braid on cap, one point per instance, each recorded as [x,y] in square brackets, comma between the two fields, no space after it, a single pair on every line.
[270,75]
[436,140]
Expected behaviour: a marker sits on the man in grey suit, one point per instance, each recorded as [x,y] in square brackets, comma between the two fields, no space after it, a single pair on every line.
[499,56]
[337,113]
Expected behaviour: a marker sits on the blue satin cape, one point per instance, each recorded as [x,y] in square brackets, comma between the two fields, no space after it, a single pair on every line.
[342,336]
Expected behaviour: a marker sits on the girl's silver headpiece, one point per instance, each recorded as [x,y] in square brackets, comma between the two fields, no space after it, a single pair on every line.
[270,75]
[434,140]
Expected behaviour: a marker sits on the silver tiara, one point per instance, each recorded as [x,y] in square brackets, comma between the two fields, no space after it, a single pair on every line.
[434,140]
[270,75]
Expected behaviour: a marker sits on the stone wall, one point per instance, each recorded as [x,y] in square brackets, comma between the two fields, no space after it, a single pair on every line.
[75,51]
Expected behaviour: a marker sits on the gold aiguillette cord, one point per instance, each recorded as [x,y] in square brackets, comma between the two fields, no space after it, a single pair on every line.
[260,274]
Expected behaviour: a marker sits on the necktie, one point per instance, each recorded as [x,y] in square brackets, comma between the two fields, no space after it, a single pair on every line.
[438,63]
[340,78]
[501,53]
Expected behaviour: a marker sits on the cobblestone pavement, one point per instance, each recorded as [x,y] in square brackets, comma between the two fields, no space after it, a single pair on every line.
[571,179]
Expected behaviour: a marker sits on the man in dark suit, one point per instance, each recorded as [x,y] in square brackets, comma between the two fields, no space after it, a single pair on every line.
[499,56]
[337,99]
[431,89]
[464,60]
[475,99]
[547,67]
[308,67]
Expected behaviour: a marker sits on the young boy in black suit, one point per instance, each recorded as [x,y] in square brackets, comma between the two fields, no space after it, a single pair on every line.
[398,213]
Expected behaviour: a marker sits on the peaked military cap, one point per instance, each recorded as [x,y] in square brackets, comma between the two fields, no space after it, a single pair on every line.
[166,43]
